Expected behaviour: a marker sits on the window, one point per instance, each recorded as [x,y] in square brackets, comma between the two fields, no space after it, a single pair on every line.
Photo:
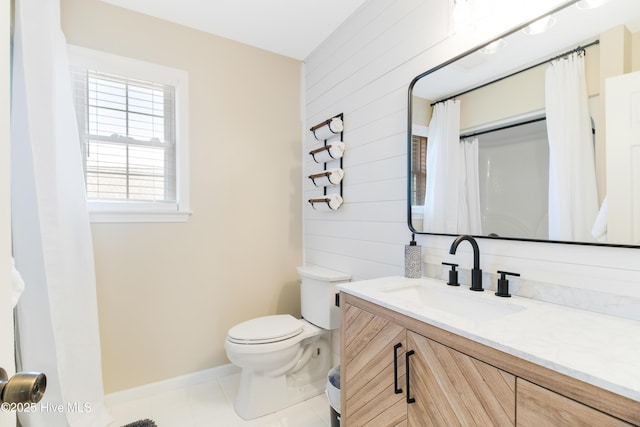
[129,139]
[418,169]
[132,129]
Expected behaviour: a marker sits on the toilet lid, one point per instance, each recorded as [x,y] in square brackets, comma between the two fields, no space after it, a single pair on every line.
[265,329]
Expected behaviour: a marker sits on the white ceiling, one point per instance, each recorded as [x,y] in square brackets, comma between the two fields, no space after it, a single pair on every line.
[291,28]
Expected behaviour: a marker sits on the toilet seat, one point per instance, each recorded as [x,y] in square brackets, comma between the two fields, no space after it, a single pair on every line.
[264,330]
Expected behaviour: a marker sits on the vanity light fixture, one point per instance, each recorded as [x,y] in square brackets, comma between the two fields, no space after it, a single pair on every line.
[540,26]
[494,47]
[590,4]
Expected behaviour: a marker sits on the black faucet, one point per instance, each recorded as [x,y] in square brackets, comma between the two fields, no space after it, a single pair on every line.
[476,273]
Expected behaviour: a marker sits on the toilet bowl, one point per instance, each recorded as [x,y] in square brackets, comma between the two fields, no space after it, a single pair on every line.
[280,370]
[271,345]
[285,360]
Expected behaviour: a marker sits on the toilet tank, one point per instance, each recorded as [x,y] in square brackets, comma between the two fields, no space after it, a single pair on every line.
[318,295]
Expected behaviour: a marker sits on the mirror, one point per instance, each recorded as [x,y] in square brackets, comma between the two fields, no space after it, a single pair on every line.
[501,98]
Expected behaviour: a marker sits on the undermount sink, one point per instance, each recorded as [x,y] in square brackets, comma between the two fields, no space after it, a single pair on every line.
[456,301]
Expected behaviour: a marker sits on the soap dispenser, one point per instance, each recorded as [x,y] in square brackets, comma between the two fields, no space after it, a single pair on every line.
[413,259]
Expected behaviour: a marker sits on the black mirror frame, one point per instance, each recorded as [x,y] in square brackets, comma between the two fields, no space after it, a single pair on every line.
[410,134]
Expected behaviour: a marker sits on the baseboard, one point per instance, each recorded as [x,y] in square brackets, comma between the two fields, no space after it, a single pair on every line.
[151,389]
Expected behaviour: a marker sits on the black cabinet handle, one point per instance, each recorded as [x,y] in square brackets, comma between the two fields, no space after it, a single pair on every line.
[397,389]
[407,355]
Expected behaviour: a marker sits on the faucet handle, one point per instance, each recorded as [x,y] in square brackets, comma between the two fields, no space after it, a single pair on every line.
[503,283]
[453,274]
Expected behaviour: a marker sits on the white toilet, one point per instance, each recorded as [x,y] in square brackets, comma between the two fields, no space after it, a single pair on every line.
[285,360]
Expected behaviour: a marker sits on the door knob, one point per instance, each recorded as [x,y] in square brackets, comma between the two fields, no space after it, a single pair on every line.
[23,387]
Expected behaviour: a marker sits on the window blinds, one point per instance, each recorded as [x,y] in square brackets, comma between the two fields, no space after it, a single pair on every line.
[128,135]
[418,168]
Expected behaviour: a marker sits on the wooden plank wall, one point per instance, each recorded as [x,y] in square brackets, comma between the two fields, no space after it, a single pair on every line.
[363,70]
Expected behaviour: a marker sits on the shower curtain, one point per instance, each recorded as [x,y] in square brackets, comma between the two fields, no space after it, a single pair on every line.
[441,194]
[56,317]
[452,195]
[573,200]
[469,214]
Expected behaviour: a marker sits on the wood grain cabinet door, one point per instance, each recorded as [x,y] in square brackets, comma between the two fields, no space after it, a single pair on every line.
[453,389]
[369,372]
[539,407]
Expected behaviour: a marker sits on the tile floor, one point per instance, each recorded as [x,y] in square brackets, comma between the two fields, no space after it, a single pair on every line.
[210,404]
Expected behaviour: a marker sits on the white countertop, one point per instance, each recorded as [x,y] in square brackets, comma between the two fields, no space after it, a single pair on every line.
[598,349]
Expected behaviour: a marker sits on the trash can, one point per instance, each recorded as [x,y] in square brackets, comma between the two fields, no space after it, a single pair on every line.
[333,394]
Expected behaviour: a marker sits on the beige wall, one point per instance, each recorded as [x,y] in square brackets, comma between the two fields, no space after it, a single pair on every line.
[479,107]
[168,293]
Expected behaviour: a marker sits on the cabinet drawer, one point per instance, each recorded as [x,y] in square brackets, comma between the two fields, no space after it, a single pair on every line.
[537,406]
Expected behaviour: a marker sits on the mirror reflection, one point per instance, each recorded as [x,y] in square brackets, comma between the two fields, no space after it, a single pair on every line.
[533,136]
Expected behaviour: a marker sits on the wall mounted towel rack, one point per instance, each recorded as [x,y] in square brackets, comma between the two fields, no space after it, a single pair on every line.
[328,128]
[327,178]
[329,203]
[332,151]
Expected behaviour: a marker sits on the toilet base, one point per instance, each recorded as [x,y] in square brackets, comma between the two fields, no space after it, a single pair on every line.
[260,394]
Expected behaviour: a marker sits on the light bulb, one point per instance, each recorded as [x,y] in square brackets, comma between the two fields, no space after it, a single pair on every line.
[493,47]
[590,4]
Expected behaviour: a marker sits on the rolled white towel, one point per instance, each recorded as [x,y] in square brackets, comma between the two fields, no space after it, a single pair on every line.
[330,202]
[330,177]
[333,127]
[332,151]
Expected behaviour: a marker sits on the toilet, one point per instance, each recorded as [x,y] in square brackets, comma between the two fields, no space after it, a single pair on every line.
[285,360]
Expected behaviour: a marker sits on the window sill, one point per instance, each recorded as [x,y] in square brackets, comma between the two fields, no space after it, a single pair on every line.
[138,216]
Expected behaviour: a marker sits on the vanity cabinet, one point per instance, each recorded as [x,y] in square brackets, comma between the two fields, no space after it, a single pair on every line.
[453,380]
[445,387]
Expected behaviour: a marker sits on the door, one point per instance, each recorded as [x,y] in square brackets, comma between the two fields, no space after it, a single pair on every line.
[450,388]
[6,318]
[372,370]
[622,106]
